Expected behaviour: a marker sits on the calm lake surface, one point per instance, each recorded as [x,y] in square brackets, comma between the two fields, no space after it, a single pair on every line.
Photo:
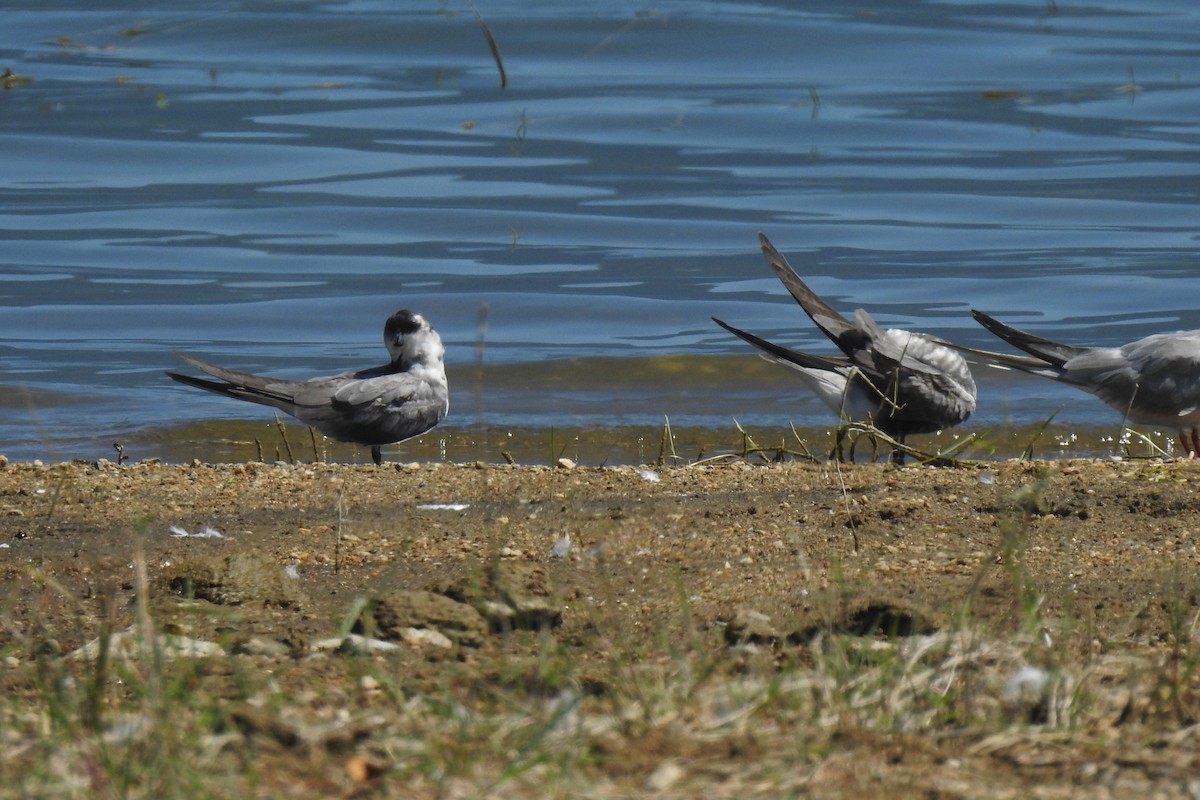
[263,183]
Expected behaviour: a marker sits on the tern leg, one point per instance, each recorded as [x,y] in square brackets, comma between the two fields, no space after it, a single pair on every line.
[376,455]
[1190,439]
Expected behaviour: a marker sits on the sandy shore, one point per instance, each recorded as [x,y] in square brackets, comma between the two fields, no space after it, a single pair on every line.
[652,598]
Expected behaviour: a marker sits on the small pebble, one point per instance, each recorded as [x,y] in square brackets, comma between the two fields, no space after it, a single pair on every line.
[561,547]
[1027,685]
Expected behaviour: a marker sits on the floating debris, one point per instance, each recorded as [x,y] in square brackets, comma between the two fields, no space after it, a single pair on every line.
[444,506]
[11,80]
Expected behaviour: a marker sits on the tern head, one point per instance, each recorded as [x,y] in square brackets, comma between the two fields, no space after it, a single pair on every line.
[410,339]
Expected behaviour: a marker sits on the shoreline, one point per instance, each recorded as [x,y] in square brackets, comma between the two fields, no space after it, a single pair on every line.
[666,441]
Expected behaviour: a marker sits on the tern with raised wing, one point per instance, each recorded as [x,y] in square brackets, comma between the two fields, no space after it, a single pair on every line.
[903,383]
[380,405]
[1152,381]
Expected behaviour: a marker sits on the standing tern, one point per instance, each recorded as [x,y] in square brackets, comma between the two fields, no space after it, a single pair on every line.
[377,406]
[1153,381]
[902,383]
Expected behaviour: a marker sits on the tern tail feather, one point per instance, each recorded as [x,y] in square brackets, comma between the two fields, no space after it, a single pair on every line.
[806,360]
[233,383]
[1049,352]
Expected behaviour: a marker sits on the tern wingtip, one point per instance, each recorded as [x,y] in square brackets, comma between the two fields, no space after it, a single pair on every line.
[726,325]
[768,249]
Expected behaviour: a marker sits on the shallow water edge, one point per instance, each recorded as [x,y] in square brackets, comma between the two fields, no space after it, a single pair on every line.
[237,441]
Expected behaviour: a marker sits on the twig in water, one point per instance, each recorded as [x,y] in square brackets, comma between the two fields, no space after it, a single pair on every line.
[491,40]
[518,146]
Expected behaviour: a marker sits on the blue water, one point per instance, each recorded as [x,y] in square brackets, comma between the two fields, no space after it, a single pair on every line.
[263,183]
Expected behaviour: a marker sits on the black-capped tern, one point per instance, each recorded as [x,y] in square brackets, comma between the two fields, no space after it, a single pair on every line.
[1152,381]
[903,383]
[381,405]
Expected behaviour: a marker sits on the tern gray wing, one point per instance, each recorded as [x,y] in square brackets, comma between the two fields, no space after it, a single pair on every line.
[928,382]
[396,407]
[886,352]
[1155,380]
[842,331]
